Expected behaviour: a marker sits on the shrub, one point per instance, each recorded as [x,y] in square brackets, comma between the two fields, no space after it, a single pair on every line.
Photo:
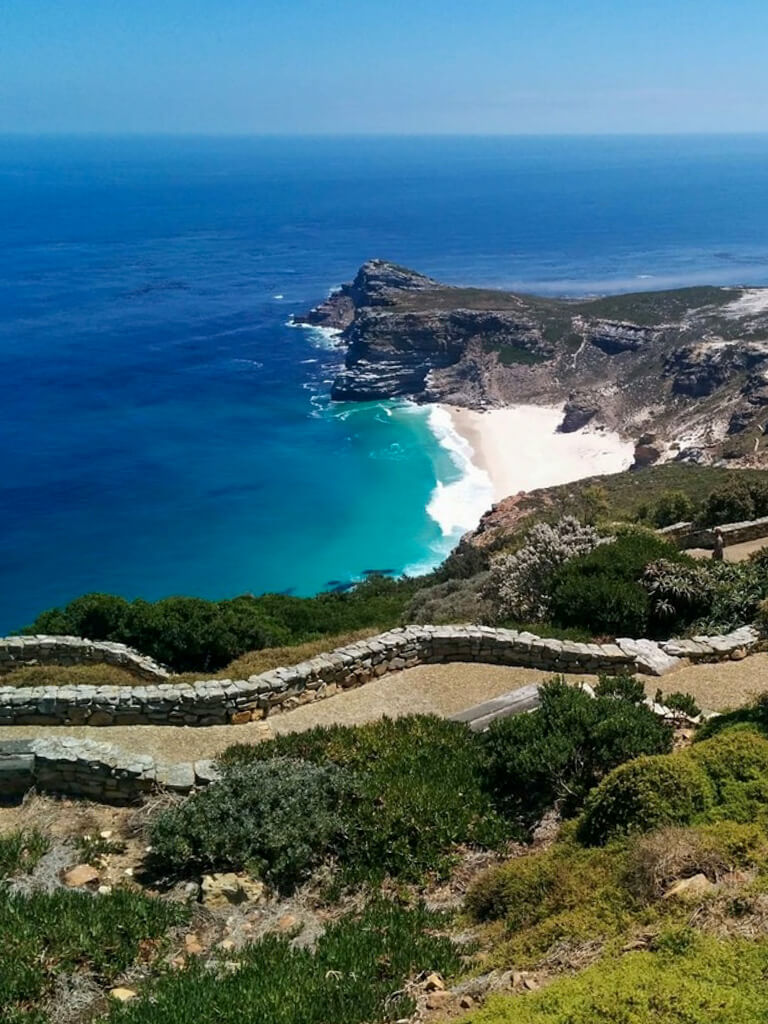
[656,860]
[356,972]
[736,502]
[602,590]
[561,752]
[621,687]
[677,701]
[275,818]
[693,980]
[672,507]
[646,794]
[737,766]
[190,634]
[518,586]
[459,600]
[419,791]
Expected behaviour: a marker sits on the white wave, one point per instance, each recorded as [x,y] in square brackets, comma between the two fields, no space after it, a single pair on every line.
[457,506]
[320,337]
[278,297]
[304,361]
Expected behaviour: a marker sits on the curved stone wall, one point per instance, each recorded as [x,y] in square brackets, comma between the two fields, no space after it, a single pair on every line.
[219,701]
[19,651]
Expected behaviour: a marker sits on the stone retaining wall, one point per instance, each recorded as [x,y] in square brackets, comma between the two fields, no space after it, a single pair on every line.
[686,535]
[220,701]
[96,771]
[19,651]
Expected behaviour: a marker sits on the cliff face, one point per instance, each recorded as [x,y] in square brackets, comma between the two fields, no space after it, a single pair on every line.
[689,366]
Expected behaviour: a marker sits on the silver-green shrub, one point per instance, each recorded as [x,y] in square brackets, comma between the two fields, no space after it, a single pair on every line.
[518,584]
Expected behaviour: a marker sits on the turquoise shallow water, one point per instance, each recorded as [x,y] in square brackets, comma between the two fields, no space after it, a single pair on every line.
[163,431]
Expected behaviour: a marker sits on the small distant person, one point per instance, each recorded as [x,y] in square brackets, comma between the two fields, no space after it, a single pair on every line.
[718,548]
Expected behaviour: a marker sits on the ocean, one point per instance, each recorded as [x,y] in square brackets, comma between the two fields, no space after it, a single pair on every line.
[163,429]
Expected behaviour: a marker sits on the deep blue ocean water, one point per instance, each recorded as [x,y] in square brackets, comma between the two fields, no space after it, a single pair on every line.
[163,431]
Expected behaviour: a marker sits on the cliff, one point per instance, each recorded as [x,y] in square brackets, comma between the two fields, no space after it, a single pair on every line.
[686,368]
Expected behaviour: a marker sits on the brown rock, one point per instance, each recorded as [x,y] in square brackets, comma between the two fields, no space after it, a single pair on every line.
[433,982]
[466,1002]
[240,717]
[530,983]
[122,995]
[739,654]
[220,890]
[287,923]
[690,888]
[83,874]
[438,1000]
[192,945]
[227,944]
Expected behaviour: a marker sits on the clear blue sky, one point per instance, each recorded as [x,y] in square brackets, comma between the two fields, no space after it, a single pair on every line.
[410,66]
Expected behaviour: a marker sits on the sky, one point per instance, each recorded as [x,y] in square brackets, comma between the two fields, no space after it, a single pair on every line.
[383,66]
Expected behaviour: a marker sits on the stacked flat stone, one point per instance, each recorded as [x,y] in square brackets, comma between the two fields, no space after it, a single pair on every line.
[20,651]
[686,535]
[96,771]
[221,701]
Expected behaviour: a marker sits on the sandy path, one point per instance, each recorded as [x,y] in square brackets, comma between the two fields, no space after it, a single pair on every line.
[435,689]
[733,552]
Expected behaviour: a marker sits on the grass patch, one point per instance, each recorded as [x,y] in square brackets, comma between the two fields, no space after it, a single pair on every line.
[20,851]
[515,355]
[46,935]
[355,974]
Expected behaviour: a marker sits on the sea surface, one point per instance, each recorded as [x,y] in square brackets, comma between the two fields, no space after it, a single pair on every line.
[162,429]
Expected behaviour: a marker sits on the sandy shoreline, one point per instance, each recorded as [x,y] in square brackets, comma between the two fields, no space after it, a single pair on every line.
[519,448]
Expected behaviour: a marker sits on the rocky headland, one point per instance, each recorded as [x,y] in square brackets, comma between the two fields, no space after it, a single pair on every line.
[682,373]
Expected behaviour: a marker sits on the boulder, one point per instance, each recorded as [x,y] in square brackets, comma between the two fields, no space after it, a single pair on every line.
[82,874]
[221,890]
[690,888]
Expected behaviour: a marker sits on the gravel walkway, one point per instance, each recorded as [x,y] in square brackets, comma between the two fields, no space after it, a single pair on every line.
[436,689]
[733,552]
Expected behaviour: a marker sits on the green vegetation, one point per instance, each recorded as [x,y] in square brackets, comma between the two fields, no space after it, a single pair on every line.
[20,851]
[49,934]
[725,777]
[562,751]
[354,975]
[405,793]
[190,634]
[515,355]
[276,818]
[687,979]
[645,794]
[603,590]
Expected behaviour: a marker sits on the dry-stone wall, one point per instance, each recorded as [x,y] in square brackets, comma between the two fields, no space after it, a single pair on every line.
[686,535]
[220,701]
[19,651]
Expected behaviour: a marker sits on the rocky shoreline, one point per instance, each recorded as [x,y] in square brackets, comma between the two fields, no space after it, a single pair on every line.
[683,374]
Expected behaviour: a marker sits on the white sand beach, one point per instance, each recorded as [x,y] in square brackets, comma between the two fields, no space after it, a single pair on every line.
[519,448]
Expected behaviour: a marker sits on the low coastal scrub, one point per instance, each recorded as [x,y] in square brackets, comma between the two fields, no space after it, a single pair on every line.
[48,935]
[397,798]
[20,851]
[725,777]
[686,979]
[560,753]
[355,974]
[190,635]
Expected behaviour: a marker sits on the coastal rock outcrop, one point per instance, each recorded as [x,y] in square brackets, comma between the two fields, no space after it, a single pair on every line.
[627,362]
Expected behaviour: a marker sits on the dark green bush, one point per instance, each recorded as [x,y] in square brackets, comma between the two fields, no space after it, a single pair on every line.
[736,763]
[644,794]
[190,634]
[672,507]
[564,749]
[278,819]
[622,687]
[736,502]
[355,973]
[678,701]
[603,592]
[419,784]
